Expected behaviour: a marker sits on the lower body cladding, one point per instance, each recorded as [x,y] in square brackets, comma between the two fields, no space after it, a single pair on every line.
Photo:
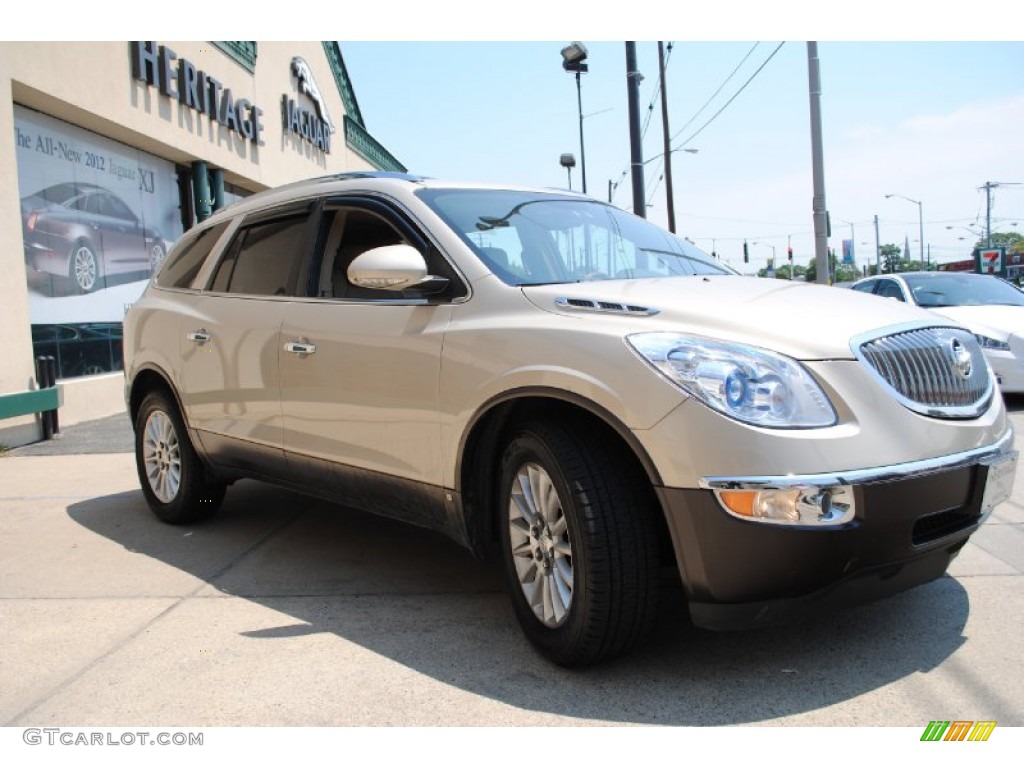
[898,527]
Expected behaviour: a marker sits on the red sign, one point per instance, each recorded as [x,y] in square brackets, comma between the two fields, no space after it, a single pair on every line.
[992,262]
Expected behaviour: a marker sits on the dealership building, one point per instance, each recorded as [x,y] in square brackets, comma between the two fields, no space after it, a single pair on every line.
[115,149]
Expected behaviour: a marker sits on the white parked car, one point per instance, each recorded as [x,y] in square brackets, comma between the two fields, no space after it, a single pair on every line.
[542,374]
[991,308]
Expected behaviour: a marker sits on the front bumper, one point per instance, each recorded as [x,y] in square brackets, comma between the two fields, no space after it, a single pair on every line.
[911,521]
[1008,366]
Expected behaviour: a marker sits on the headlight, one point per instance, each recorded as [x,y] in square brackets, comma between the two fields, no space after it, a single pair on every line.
[987,342]
[745,383]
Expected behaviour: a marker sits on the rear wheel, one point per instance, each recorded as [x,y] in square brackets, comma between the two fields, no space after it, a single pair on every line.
[579,543]
[174,480]
[83,268]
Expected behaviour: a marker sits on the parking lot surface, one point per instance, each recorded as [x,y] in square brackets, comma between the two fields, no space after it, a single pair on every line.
[285,610]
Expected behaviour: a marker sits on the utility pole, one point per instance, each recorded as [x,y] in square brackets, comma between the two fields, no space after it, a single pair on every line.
[878,249]
[817,161]
[988,213]
[633,78]
[669,198]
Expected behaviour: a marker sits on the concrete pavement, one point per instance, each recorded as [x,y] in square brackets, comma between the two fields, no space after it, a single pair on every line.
[285,610]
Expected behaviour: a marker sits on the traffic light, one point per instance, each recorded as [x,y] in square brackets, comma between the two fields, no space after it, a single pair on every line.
[746,253]
[789,250]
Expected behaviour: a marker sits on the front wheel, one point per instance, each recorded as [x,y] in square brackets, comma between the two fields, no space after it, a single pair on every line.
[174,481]
[579,544]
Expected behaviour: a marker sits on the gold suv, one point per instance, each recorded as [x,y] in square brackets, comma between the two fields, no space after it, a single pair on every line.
[541,373]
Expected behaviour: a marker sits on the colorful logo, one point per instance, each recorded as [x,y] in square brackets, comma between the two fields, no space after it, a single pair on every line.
[958,730]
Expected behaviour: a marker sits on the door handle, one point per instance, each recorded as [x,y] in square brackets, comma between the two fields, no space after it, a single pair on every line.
[199,336]
[300,347]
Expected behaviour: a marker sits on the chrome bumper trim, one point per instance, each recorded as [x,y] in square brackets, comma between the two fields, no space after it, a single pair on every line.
[857,476]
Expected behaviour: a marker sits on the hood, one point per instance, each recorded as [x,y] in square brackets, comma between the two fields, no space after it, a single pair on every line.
[802,320]
[997,321]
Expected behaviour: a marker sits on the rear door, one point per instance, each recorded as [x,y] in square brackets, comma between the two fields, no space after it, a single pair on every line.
[230,343]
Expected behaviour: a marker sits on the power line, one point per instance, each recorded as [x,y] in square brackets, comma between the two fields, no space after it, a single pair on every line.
[717,91]
[654,98]
[724,106]
[731,100]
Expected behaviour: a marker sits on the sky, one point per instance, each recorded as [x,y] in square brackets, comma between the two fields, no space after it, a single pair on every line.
[931,121]
[926,106]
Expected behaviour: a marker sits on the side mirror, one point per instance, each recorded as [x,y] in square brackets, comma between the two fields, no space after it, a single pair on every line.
[394,268]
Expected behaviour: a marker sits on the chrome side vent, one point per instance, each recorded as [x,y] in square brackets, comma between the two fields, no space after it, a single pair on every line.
[939,372]
[613,307]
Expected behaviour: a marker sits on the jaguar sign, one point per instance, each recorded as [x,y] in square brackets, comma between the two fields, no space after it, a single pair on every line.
[313,126]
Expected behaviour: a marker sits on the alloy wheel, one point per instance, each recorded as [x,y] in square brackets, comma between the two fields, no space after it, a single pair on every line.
[161,453]
[85,267]
[541,546]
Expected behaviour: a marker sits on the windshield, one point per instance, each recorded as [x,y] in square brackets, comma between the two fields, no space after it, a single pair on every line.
[962,290]
[530,238]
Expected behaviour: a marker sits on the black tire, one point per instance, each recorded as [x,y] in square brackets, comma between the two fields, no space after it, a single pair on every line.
[174,481]
[84,267]
[605,554]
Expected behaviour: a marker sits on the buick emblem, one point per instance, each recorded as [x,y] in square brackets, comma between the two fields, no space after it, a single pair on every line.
[961,358]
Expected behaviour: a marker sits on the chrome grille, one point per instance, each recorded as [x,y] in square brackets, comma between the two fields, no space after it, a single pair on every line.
[936,371]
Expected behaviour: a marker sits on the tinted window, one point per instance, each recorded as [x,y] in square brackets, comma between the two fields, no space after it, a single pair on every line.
[112,206]
[890,290]
[184,264]
[867,287]
[262,257]
[78,203]
[964,289]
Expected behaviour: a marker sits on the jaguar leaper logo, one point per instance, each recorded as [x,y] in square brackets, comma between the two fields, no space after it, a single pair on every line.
[311,125]
[307,85]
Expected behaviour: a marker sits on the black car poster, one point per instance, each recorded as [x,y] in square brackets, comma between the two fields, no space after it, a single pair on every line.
[97,218]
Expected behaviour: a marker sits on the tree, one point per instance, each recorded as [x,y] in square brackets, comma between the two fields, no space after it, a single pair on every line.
[846,273]
[841,273]
[782,273]
[890,257]
[1013,242]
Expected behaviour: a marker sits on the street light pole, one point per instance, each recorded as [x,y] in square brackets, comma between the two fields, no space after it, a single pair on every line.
[920,218]
[583,154]
[574,57]
[568,162]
